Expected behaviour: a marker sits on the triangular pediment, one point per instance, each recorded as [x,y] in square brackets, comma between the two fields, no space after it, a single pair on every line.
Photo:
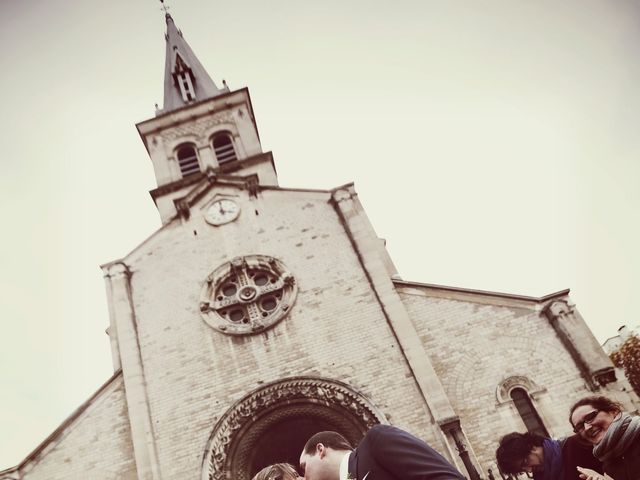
[209,182]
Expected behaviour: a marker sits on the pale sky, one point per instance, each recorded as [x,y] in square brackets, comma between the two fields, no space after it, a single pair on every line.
[494,144]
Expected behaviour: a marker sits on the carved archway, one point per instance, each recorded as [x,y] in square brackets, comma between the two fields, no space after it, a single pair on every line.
[273,422]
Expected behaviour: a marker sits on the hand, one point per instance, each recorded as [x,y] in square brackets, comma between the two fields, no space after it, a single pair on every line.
[588,474]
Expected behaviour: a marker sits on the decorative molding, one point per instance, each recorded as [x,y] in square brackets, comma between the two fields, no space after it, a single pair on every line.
[247,295]
[448,424]
[199,127]
[605,376]
[558,309]
[252,185]
[343,193]
[225,174]
[578,340]
[503,392]
[226,453]
[451,426]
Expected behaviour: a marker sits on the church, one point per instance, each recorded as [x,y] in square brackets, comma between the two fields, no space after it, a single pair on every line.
[258,315]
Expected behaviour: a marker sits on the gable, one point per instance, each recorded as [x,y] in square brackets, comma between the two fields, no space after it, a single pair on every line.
[96,438]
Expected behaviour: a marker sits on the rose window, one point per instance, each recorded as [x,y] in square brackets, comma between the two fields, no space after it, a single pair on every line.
[247,295]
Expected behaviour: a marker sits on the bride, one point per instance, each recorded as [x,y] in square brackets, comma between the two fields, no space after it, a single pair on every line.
[277,471]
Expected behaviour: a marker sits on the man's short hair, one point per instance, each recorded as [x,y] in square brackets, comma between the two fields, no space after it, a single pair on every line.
[277,471]
[329,439]
[514,448]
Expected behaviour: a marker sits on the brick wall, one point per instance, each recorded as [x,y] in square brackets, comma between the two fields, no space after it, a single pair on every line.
[96,444]
[334,330]
[476,344]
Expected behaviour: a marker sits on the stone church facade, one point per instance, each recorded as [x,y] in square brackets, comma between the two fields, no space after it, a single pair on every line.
[258,315]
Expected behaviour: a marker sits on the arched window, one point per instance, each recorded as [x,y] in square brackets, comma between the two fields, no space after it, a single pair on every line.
[527,411]
[188,160]
[223,148]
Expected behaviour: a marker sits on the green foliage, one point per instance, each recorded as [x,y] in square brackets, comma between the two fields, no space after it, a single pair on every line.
[628,358]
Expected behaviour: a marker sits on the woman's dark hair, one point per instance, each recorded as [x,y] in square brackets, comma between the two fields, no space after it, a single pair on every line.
[599,403]
[514,448]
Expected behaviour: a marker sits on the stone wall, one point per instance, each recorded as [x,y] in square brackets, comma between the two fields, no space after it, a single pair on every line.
[94,443]
[476,341]
[335,328]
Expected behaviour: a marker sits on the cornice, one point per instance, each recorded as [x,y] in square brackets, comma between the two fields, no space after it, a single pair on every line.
[469,293]
[220,175]
[196,110]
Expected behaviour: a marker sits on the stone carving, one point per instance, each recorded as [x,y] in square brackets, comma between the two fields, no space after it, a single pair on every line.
[198,128]
[342,194]
[503,392]
[225,458]
[247,295]
[605,376]
[558,309]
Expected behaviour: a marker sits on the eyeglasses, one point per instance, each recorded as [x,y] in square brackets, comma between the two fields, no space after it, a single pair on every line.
[587,419]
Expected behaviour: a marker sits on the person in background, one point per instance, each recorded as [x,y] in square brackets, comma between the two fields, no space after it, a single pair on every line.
[615,436]
[545,458]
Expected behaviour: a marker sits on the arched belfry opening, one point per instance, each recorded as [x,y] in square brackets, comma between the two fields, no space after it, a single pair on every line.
[272,424]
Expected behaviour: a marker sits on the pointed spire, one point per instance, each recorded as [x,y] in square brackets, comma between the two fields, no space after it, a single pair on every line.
[185,79]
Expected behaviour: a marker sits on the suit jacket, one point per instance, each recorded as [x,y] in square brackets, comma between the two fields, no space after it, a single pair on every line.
[388,453]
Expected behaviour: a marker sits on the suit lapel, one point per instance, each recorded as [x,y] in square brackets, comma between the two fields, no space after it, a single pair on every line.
[353,464]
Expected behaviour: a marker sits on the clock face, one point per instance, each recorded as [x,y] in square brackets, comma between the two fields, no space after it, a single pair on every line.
[222,211]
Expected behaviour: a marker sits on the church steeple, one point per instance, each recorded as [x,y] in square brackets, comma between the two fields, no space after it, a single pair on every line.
[185,79]
[202,134]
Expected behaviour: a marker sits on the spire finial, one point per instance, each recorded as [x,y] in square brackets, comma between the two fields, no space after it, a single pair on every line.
[185,79]
[165,9]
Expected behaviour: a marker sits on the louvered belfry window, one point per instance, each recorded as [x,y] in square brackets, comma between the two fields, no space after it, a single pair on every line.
[223,148]
[528,412]
[184,80]
[188,160]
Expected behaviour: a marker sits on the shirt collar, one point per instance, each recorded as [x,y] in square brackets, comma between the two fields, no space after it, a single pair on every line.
[344,466]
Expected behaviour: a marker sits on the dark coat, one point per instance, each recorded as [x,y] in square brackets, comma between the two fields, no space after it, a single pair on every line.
[388,453]
[626,466]
[577,453]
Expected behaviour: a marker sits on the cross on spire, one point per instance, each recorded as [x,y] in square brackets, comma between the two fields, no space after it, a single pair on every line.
[164,8]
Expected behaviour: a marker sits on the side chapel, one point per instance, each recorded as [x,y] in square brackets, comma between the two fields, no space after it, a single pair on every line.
[259,314]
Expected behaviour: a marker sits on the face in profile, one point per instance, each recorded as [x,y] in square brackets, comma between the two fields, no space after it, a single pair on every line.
[315,466]
[591,423]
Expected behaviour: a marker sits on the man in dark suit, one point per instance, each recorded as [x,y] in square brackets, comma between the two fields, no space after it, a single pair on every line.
[385,453]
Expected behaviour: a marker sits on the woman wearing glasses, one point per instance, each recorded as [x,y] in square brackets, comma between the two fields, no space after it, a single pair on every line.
[614,434]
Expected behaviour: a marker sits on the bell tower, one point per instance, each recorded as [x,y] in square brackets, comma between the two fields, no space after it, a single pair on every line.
[201,131]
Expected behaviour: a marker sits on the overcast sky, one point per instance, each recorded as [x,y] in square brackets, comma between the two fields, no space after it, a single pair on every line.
[494,144]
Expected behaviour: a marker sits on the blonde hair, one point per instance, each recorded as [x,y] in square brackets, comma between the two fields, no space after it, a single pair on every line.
[277,471]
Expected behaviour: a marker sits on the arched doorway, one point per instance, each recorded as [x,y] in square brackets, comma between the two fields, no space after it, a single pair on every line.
[272,424]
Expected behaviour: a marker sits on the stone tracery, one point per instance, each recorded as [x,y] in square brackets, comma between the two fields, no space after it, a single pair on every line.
[247,295]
